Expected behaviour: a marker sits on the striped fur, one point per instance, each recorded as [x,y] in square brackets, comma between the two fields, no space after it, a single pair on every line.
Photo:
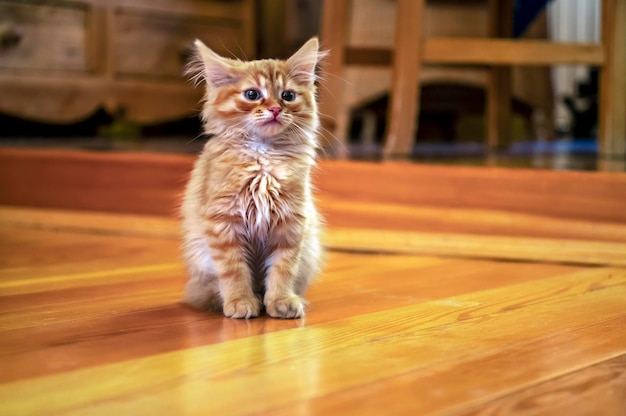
[250,226]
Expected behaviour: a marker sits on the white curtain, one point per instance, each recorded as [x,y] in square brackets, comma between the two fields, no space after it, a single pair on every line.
[571,21]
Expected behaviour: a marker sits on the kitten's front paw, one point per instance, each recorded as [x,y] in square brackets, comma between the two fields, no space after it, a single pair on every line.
[242,308]
[287,308]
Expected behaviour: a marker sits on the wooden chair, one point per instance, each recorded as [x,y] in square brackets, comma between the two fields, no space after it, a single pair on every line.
[411,49]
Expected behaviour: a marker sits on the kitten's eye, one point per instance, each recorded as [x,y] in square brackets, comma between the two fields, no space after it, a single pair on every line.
[252,95]
[288,95]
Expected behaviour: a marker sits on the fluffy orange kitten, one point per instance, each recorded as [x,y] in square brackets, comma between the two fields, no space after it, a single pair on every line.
[251,229]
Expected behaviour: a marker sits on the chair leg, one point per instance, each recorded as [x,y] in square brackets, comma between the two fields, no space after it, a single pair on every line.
[498,107]
[407,62]
[499,81]
[612,105]
[335,21]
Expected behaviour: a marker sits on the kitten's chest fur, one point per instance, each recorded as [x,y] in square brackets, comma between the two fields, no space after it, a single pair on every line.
[259,188]
[261,199]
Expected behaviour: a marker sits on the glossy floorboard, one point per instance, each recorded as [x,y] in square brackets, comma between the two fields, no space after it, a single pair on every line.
[90,324]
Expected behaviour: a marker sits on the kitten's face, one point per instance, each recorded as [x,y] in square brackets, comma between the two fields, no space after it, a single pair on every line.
[267,101]
[266,97]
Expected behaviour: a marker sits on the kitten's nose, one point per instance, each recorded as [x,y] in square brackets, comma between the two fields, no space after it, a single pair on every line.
[275,111]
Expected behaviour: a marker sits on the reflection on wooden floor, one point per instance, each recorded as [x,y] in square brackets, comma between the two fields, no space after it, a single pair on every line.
[90,324]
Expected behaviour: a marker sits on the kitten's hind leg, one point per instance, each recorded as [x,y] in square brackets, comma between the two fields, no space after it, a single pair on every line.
[202,292]
[311,263]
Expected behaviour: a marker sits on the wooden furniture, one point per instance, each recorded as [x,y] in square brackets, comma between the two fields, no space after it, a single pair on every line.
[416,312]
[285,25]
[412,48]
[126,56]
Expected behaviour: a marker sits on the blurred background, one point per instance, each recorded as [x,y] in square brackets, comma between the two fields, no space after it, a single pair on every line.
[108,75]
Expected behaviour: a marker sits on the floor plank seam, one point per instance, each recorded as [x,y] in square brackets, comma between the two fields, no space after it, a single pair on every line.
[381,252]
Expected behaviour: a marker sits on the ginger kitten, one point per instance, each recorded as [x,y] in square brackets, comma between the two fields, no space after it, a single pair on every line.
[250,226]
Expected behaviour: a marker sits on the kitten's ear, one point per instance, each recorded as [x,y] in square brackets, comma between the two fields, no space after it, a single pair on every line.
[302,63]
[214,69]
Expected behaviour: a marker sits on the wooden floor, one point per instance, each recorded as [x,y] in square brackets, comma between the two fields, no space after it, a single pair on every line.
[90,324]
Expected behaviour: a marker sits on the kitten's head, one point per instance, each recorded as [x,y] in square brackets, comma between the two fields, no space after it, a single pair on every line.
[263,98]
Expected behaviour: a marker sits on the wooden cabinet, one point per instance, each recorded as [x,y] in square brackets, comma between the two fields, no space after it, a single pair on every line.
[49,37]
[66,59]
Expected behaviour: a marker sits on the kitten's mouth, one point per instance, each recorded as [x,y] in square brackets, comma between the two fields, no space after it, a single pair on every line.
[271,127]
